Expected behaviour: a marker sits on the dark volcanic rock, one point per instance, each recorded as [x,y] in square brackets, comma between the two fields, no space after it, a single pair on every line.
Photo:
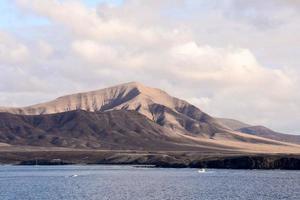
[45,162]
[250,162]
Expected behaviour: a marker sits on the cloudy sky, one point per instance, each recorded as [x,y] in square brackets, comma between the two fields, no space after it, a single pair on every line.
[232,58]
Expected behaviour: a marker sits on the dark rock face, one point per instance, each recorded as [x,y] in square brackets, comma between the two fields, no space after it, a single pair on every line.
[242,162]
[157,159]
[249,162]
[45,162]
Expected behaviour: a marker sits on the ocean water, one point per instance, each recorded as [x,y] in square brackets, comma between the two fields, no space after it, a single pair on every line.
[128,182]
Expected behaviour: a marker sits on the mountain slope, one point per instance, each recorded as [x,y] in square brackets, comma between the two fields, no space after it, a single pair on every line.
[120,130]
[114,130]
[155,104]
[259,131]
[232,123]
[81,129]
[262,131]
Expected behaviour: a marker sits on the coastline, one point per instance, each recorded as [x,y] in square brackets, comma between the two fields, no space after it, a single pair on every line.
[163,159]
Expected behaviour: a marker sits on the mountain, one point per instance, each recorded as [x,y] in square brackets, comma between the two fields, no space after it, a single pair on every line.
[127,116]
[153,103]
[260,131]
[120,129]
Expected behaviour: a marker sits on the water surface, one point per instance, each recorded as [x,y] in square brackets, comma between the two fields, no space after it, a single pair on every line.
[128,182]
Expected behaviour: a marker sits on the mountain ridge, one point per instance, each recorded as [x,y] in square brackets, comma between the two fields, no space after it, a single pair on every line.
[174,115]
[259,130]
[265,132]
[154,103]
[120,130]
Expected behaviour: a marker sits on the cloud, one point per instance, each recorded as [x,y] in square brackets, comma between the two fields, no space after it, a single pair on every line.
[93,52]
[46,50]
[226,59]
[11,51]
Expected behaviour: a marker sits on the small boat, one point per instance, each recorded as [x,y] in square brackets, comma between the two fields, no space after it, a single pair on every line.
[75,175]
[201,170]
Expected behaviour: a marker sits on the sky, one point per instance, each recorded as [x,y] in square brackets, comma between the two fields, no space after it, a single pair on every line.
[232,58]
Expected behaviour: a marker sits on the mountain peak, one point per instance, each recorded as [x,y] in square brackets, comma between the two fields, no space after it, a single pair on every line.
[133,84]
[95,100]
[129,85]
[140,87]
[153,103]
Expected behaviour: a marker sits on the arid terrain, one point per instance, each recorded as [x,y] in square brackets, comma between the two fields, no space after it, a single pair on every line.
[135,124]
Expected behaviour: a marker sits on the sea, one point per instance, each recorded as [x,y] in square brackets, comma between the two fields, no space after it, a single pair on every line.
[84,182]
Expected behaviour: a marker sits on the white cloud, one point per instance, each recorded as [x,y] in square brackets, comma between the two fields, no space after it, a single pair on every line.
[46,50]
[93,52]
[11,51]
[218,58]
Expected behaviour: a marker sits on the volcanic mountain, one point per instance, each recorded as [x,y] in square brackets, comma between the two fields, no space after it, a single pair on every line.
[153,103]
[128,116]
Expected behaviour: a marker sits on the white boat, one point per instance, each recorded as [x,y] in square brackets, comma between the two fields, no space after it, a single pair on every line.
[201,170]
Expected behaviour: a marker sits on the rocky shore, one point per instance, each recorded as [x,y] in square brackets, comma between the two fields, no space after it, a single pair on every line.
[157,159]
